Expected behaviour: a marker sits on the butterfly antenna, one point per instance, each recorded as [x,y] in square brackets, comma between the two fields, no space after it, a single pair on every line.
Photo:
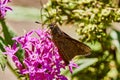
[40,23]
[49,16]
[41,12]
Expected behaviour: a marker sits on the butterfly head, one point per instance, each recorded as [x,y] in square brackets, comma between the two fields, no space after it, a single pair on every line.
[52,26]
[54,29]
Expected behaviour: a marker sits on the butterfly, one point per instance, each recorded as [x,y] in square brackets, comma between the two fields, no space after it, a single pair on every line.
[68,47]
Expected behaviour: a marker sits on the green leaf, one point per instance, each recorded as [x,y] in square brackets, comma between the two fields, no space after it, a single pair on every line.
[20,55]
[118,34]
[2,61]
[2,40]
[7,33]
[84,63]
[2,43]
[116,38]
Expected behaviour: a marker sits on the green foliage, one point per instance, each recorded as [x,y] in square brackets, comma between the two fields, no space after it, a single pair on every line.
[8,35]
[93,20]
[5,41]
[91,17]
[2,57]
[2,60]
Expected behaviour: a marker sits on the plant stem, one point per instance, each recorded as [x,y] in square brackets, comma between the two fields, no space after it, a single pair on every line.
[12,70]
[8,41]
[6,33]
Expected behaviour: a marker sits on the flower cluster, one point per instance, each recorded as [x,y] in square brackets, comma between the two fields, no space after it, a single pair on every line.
[41,58]
[4,8]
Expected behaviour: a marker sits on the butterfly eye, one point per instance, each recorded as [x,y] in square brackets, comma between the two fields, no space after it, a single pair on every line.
[51,26]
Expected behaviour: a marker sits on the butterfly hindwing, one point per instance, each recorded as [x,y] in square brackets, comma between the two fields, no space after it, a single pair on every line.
[68,47]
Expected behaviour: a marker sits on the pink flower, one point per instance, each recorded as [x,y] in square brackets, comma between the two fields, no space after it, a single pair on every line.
[11,51]
[71,65]
[4,8]
[41,58]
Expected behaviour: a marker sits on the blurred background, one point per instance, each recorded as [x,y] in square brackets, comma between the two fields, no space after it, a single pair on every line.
[103,64]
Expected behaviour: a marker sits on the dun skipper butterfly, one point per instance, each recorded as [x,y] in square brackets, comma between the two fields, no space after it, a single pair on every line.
[68,47]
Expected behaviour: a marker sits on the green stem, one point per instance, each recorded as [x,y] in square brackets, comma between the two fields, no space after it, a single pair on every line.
[13,71]
[8,41]
[6,33]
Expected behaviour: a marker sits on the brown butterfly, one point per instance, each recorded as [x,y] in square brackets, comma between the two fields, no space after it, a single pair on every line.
[68,47]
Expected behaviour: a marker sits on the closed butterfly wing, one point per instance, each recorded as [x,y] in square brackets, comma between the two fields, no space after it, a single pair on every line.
[68,48]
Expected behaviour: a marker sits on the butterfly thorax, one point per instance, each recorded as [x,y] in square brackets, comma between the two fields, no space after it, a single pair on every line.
[55,31]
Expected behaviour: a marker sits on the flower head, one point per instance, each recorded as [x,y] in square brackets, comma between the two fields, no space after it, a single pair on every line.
[4,8]
[42,60]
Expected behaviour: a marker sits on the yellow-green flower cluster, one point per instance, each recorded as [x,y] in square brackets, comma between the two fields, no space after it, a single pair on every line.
[92,17]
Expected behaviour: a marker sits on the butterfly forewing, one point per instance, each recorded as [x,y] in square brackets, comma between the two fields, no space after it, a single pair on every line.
[68,47]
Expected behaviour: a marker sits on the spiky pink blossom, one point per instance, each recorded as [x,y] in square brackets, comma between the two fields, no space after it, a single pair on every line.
[41,58]
[4,8]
